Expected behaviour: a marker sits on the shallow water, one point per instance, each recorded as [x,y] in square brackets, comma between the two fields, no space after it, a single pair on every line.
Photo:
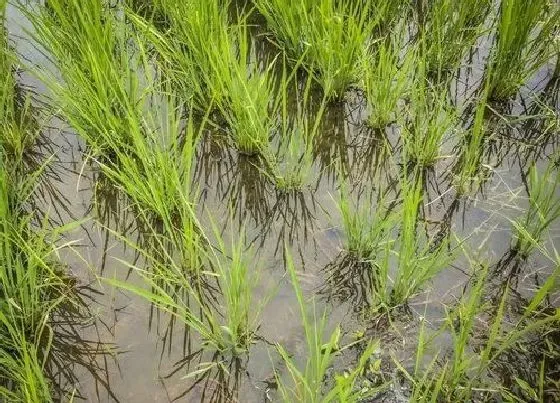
[139,357]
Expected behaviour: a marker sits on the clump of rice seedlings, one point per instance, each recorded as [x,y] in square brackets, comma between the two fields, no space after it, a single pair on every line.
[366,226]
[33,286]
[451,28]
[331,36]
[228,327]
[95,78]
[432,119]
[524,43]
[157,177]
[110,96]
[237,279]
[250,94]
[17,120]
[401,256]
[468,368]
[291,165]
[307,384]
[468,176]
[544,209]
[214,63]
[187,49]
[386,77]
[419,257]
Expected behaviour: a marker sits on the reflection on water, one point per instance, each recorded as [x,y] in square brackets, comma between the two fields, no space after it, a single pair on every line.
[114,338]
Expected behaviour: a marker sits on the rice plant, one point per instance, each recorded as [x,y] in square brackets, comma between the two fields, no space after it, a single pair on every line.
[94,79]
[307,384]
[387,76]
[524,43]
[469,173]
[292,163]
[419,258]
[213,63]
[133,124]
[432,120]
[249,106]
[367,227]
[33,286]
[451,29]
[229,327]
[331,36]
[456,377]
[404,264]
[543,209]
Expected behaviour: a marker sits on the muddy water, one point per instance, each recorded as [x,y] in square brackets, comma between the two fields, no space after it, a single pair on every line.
[133,354]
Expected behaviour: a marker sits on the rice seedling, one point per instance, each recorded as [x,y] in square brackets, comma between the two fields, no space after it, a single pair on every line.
[249,106]
[218,67]
[402,258]
[228,328]
[543,210]
[451,28]
[469,164]
[133,124]
[366,227]
[94,79]
[387,76]
[467,369]
[331,36]
[432,120]
[33,286]
[419,258]
[307,384]
[291,165]
[524,43]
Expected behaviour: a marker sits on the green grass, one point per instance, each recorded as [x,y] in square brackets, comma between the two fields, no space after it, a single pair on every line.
[469,175]
[33,286]
[432,119]
[331,36]
[387,76]
[525,35]
[308,383]
[451,29]
[543,209]
[457,375]
[291,166]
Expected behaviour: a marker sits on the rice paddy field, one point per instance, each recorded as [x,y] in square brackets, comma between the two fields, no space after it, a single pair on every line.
[280,201]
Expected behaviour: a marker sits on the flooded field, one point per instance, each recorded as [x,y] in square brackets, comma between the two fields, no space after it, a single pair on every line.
[230,201]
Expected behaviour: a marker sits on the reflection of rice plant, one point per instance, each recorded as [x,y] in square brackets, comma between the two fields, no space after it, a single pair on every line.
[451,29]
[544,209]
[331,35]
[387,76]
[307,385]
[432,119]
[524,43]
